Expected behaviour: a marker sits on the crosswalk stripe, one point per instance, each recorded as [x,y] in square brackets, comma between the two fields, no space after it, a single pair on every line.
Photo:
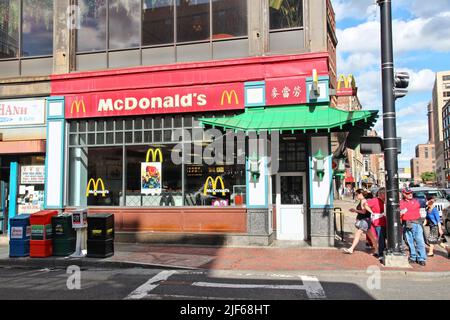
[310,284]
[151,284]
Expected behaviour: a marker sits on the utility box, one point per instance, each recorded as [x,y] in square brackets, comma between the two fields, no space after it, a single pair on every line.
[41,243]
[100,241]
[64,236]
[19,238]
[79,219]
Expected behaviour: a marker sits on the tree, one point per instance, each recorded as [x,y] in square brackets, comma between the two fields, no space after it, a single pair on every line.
[428,176]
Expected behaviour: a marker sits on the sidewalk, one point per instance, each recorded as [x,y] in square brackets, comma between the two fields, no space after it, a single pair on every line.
[275,258]
[271,259]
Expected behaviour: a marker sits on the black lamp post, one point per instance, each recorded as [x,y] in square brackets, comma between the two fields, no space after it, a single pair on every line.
[394,231]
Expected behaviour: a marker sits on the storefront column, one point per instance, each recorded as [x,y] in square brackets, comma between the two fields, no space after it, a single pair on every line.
[258,220]
[54,160]
[78,171]
[321,192]
[12,203]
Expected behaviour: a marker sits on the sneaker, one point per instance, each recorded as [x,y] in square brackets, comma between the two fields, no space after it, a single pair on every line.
[411,260]
[422,263]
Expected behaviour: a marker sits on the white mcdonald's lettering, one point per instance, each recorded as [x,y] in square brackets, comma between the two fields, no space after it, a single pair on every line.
[131,103]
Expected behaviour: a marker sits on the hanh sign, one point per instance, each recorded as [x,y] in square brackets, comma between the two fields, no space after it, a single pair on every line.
[156,101]
[22,112]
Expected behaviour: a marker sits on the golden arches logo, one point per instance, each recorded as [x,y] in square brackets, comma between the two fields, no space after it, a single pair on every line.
[77,104]
[229,95]
[349,82]
[214,189]
[94,190]
[154,153]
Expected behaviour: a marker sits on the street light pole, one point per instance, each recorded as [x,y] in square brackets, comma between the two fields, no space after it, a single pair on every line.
[394,252]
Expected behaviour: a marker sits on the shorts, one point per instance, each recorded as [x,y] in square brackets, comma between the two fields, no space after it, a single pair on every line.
[433,237]
[363,224]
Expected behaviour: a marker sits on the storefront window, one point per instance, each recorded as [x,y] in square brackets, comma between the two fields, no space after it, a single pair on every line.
[176,164]
[293,155]
[104,176]
[153,179]
[92,34]
[157,22]
[37,27]
[193,18]
[124,23]
[229,18]
[9,28]
[285,14]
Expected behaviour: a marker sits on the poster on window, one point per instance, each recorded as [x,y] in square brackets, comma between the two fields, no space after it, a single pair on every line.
[32,174]
[151,178]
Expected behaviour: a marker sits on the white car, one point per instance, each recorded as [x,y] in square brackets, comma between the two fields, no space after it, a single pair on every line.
[421,194]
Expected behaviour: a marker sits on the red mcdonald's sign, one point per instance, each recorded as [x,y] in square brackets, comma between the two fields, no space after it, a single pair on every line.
[228,96]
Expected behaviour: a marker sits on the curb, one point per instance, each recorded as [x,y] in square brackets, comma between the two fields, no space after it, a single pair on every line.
[59,263]
[55,263]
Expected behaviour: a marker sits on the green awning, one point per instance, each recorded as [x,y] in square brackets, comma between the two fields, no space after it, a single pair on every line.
[296,118]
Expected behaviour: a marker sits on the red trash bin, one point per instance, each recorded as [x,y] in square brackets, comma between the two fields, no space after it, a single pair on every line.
[41,243]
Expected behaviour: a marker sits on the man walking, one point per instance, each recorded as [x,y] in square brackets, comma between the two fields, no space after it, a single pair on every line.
[412,229]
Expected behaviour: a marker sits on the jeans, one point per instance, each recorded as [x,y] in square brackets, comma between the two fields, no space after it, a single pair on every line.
[416,242]
[381,235]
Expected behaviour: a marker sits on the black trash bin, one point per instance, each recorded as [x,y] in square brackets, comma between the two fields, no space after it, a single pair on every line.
[100,239]
[64,236]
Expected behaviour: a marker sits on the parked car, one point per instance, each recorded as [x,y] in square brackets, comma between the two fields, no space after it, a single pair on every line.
[446,221]
[421,194]
[446,193]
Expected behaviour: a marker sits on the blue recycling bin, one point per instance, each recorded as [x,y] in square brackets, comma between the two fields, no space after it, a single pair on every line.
[19,236]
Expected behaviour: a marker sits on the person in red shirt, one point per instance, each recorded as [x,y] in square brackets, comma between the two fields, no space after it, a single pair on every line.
[412,228]
[379,219]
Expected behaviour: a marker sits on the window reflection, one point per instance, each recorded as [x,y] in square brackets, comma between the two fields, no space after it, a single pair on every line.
[37,27]
[9,28]
[124,21]
[285,14]
[229,18]
[193,18]
[92,34]
[157,23]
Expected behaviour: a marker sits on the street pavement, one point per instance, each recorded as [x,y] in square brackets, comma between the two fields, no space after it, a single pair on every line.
[157,284]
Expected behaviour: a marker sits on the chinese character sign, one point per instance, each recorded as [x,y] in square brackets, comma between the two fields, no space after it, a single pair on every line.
[285,91]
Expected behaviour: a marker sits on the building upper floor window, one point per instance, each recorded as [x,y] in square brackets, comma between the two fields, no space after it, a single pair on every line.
[285,14]
[446,78]
[447,94]
[26,28]
[118,24]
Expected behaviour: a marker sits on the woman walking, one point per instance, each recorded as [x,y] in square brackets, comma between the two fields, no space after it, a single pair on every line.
[434,223]
[363,222]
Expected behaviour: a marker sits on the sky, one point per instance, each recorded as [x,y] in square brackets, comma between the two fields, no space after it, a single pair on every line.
[421,39]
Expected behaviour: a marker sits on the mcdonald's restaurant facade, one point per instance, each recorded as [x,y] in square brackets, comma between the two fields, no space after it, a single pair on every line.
[136,95]
[137,142]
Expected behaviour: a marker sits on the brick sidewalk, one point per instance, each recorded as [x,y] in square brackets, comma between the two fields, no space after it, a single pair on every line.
[264,259]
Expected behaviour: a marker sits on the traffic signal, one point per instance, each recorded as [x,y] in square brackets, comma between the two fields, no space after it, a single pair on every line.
[401,82]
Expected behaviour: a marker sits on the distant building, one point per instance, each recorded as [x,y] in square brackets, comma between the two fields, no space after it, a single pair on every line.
[423,162]
[446,135]
[404,177]
[441,95]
